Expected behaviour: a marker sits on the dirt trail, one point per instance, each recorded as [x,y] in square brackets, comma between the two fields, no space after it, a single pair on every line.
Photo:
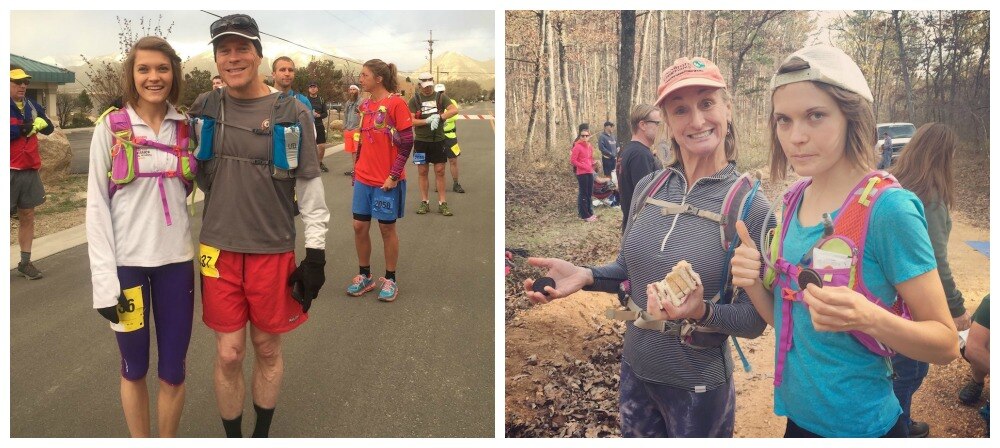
[540,340]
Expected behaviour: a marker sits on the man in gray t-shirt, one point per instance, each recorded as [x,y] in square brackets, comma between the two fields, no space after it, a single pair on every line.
[253,187]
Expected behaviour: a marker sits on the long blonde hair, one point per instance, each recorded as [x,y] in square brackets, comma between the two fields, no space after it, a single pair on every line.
[924,166]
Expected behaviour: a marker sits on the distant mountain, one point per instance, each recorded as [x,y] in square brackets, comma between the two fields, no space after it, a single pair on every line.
[458,66]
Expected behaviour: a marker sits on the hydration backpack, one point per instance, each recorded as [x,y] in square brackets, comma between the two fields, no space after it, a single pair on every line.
[125,163]
[844,236]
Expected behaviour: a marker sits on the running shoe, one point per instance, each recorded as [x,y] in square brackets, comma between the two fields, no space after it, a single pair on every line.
[919,430]
[29,271]
[360,285]
[389,290]
[592,218]
[444,210]
[323,168]
[423,208]
[971,393]
[349,173]
[457,187]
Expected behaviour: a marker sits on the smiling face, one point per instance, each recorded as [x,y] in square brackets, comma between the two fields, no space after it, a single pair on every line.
[811,128]
[697,118]
[284,75]
[237,62]
[153,77]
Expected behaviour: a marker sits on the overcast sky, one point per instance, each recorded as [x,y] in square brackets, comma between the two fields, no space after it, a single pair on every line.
[394,36]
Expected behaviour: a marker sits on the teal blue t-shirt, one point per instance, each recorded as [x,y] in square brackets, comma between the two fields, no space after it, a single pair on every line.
[833,386]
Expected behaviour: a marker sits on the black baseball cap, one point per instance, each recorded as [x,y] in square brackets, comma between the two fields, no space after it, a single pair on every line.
[312,83]
[238,25]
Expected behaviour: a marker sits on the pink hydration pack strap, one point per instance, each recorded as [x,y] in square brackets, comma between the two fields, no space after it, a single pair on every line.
[119,120]
[787,270]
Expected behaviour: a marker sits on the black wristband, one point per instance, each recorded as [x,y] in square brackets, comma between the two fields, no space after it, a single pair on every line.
[708,310]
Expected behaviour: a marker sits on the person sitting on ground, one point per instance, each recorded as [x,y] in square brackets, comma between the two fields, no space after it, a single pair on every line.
[605,191]
[977,352]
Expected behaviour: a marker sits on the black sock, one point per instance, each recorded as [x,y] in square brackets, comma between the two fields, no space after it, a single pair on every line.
[390,275]
[234,427]
[365,271]
[25,257]
[263,425]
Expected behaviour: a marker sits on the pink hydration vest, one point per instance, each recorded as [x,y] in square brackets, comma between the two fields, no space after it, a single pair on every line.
[125,163]
[851,226]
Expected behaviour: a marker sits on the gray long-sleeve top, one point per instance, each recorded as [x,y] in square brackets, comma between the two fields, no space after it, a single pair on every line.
[659,357]
[939,229]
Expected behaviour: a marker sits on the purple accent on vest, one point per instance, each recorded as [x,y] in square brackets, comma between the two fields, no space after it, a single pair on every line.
[786,271]
[120,121]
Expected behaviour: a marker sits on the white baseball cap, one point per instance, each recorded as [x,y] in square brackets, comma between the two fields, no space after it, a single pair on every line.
[439,88]
[828,65]
[426,79]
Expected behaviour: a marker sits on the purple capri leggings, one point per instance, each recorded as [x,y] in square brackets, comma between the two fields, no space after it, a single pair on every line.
[650,409]
[169,292]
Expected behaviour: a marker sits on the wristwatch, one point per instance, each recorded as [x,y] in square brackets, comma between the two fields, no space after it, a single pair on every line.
[394,177]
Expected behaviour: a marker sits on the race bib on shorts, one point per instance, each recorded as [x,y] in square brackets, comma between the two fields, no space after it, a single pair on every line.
[207,257]
[130,313]
[384,204]
[419,158]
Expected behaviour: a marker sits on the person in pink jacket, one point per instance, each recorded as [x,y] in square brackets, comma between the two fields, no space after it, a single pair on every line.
[582,158]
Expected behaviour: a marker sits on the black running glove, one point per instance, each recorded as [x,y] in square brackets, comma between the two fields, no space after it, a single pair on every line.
[308,278]
[111,312]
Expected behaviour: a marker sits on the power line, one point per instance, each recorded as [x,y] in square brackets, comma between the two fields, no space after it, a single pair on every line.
[295,43]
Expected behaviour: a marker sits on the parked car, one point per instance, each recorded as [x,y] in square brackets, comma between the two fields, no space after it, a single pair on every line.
[900,133]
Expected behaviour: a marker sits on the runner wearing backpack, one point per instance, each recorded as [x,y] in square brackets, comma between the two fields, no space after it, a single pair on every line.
[677,380]
[139,232]
[384,141]
[430,110]
[849,263]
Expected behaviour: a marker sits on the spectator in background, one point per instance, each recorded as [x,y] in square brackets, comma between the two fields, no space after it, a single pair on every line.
[318,105]
[609,149]
[977,352]
[27,119]
[451,148]
[283,72]
[582,158]
[637,159]
[430,110]
[886,160]
[924,167]
[352,121]
[217,82]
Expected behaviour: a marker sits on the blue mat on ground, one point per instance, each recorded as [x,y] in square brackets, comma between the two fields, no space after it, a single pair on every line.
[982,247]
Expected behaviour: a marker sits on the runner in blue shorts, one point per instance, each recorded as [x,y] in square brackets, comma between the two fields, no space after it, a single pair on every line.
[384,143]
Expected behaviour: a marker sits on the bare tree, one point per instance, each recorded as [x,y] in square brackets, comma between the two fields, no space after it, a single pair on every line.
[533,106]
[567,99]
[626,53]
[903,66]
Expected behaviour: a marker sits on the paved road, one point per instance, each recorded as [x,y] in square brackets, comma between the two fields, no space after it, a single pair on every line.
[422,366]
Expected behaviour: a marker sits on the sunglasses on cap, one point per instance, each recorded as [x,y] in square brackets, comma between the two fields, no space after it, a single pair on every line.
[236,22]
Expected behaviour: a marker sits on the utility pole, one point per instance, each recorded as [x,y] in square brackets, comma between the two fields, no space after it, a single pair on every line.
[430,52]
